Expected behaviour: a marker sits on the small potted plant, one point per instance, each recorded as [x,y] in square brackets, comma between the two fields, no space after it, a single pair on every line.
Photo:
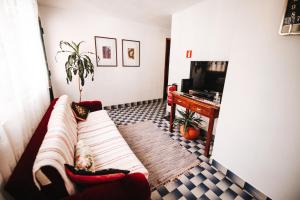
[188,124]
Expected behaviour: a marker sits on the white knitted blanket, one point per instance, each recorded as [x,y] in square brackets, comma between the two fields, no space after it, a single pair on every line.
[58,145]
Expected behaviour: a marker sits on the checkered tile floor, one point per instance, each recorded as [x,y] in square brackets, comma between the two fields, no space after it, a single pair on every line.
[200,182]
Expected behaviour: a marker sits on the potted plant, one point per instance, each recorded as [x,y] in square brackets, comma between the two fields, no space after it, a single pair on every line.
[78,63]
[188,124]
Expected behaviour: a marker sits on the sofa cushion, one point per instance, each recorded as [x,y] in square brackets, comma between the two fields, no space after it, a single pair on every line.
[83,157]
[132,186]
[109,148]
[80,112]
[83,177]
[91,105]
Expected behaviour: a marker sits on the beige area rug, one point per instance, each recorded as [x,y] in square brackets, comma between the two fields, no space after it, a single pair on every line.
[163,157]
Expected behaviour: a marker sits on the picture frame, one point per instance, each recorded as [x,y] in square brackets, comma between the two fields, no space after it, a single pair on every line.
[131,53]
[290,23]
[106,51]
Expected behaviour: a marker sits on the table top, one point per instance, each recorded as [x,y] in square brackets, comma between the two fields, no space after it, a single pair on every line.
[216,105]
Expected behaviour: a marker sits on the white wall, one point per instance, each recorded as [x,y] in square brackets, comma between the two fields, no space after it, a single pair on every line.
[112,85]
[258,131]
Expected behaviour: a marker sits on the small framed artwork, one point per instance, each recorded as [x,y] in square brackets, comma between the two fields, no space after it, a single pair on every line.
[106,51]
[131,53]
[290,24]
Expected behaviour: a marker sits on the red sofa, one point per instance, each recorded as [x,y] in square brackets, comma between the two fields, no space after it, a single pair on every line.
[21,185]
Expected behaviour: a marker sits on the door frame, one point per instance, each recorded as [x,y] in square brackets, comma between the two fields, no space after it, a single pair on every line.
[166,70]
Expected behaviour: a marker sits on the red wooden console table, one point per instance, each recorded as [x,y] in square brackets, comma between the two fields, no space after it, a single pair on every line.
[199,106]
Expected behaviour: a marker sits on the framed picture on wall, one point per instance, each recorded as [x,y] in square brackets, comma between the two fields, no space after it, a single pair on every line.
[290,24]
[106,51]
[130,53]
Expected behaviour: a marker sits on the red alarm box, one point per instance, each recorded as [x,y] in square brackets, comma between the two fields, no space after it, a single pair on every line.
[189,53]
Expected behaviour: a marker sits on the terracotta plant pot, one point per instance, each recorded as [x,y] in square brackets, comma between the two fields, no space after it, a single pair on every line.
[191,133]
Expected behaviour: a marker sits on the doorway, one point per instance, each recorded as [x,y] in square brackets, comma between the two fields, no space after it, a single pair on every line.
[166,71]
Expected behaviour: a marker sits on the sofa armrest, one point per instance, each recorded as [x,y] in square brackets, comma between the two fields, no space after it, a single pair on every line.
[56,189]
[92,105]
[137,186]
[133,186]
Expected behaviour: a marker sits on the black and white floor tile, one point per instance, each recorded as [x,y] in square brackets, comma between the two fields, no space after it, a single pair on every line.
[201,182]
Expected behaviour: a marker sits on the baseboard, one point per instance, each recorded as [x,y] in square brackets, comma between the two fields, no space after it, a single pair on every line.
[238,181]
[137,103]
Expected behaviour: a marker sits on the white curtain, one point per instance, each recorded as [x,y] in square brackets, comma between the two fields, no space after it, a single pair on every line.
[24,95]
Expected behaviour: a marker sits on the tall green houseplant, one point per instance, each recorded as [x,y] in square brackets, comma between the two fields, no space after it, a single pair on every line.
[78,63]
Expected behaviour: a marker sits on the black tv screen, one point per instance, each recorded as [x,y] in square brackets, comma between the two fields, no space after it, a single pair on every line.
[208,75]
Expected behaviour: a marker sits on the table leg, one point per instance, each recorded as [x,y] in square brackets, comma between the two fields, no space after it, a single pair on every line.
[209,136]
[172,116]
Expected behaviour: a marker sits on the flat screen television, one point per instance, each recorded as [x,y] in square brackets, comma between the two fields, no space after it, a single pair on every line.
[208,76]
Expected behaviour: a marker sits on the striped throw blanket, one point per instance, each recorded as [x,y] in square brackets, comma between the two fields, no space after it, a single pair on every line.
[57,148]
[109,148]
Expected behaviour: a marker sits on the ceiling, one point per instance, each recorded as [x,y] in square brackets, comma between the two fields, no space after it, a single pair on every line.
[157,12]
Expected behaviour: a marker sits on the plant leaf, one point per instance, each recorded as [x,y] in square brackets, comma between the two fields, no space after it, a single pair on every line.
[78,45]
[187,119]
[69,45]
[75,71]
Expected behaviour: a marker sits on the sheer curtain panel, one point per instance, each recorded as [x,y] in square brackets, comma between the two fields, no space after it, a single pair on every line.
[24,95]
